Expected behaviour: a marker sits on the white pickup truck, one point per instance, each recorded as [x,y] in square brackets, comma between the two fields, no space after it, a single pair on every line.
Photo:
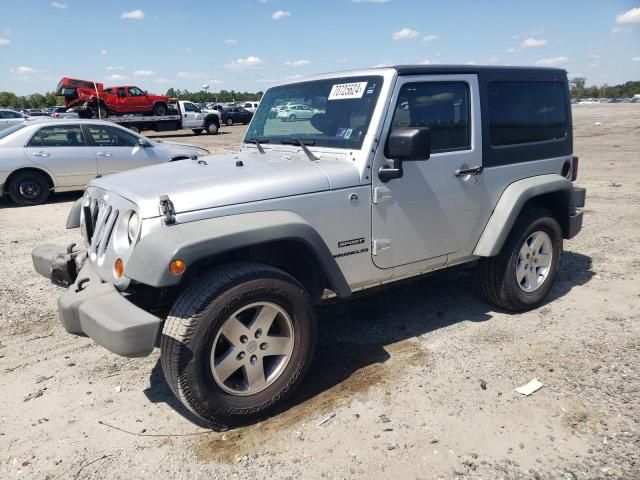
[181,115]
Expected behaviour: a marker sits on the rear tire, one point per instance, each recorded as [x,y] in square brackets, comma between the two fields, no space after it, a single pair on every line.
[292,118]
[100,112]
[229,122]
[212,346]
[29,188]
[504,279]
[197,131]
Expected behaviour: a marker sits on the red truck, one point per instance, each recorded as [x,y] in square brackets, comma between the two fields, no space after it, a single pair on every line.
[91,99]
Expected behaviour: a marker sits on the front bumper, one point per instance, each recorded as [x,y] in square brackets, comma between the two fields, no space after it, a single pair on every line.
[96,309]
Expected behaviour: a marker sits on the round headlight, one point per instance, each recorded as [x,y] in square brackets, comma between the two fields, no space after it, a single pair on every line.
[133,227]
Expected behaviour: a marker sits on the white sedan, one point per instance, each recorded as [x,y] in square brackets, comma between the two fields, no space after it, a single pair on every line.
[44,155]
[296,111]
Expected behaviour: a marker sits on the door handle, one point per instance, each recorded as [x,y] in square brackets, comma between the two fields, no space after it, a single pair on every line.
[41,154]
[103,154]
[468,171]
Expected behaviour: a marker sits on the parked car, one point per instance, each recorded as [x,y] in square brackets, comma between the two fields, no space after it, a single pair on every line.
[296,111]
[231,115]
[45,155]
[240,249]
[37,112]
[91,99]
[10,117]
[63,112]
[250,106]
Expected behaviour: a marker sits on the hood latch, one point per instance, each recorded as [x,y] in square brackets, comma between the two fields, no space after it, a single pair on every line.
[166,209]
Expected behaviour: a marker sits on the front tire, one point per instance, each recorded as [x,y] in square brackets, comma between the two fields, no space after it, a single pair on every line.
[523,273]
[29,188]
[212,128]
[229,122]
[292,118]
[237,342]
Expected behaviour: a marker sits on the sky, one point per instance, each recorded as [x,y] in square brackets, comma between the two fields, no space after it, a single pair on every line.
[248,45]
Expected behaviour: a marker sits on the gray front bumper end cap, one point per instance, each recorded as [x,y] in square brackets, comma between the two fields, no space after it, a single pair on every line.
[99,311]
[56,263]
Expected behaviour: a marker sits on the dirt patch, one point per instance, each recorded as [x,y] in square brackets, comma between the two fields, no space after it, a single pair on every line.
[230,447]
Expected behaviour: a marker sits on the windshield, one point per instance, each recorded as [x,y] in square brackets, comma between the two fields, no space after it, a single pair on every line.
[14,128]
[327,113]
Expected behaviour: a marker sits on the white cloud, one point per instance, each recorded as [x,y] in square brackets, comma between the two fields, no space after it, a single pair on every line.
[381,65]
[23,70]
[103,52]
[189,75]
[280,14]
[470,62]
[635,59]
[512,50]
[530,33]
[116,76]
[533,43]
[616,30]
[230,41]
[492,61]
[370,1]
[428,62]
[132,15]
[245,63]
[293,77]
[342,60]
[188,50]
[262,1]
[143,73]
[161,80]
[405,34]
[4,41]
[297,63]
[59,5]
[111,68]
[552,62]
[430,38]
[630,16]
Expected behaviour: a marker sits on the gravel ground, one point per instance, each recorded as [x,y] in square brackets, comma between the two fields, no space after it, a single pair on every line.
[414,381]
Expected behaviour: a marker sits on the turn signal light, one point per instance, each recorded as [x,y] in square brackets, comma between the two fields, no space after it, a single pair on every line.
[177,267]
[118,268]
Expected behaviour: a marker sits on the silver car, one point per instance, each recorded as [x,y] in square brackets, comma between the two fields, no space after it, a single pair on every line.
[8,118]
[44,155]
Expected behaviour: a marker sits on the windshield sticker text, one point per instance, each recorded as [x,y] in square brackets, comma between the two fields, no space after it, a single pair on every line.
[343,91]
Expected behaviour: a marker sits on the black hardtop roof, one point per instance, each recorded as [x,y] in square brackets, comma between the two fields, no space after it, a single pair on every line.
[515,73]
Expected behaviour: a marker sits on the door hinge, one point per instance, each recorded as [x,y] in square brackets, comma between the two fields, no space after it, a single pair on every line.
[381,194]
[380,244]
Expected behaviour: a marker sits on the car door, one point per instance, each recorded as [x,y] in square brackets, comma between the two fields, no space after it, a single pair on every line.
[192,116]
[117,149]
[137,100]
[63,151]
[432,211]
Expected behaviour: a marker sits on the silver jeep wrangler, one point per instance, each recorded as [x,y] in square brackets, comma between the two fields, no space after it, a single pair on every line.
[390,173]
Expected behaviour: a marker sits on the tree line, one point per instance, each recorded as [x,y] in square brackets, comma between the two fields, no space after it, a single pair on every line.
[50,99]
[623,90]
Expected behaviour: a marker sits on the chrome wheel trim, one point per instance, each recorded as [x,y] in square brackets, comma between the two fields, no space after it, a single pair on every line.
[252,348]
[534,261]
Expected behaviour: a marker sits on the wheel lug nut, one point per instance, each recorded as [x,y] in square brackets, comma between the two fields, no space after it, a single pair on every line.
[244,339]
[253,360]
[240,356]
[264,346]
[258,333]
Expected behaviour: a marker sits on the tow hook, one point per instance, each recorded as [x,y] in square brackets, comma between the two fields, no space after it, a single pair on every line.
[166,209]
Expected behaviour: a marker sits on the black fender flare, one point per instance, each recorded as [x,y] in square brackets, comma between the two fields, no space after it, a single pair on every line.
[199,240]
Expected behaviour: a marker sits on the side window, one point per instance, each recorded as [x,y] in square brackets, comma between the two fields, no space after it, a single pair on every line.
[9,114]
[122,92]
[111,137]
[441,106]
[58,136]
[189,107]
[525,112]
[135,92]
[4,114]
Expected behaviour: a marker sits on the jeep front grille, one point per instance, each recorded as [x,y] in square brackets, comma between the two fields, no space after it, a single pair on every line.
[104,218]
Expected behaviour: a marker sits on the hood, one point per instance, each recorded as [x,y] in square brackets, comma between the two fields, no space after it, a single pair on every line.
[217,181]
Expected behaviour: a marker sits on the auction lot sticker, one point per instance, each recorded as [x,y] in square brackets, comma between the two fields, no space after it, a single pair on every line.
[342,91]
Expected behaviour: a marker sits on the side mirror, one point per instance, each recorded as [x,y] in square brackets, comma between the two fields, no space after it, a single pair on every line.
[144,143]
[403,145]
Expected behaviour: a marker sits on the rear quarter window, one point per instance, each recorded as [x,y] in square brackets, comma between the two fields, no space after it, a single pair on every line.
[526,112]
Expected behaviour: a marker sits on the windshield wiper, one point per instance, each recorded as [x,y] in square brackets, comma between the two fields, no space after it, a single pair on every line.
[302,143]
[257,141]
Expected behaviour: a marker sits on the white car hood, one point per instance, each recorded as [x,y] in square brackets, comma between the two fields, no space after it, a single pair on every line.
[229,179]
